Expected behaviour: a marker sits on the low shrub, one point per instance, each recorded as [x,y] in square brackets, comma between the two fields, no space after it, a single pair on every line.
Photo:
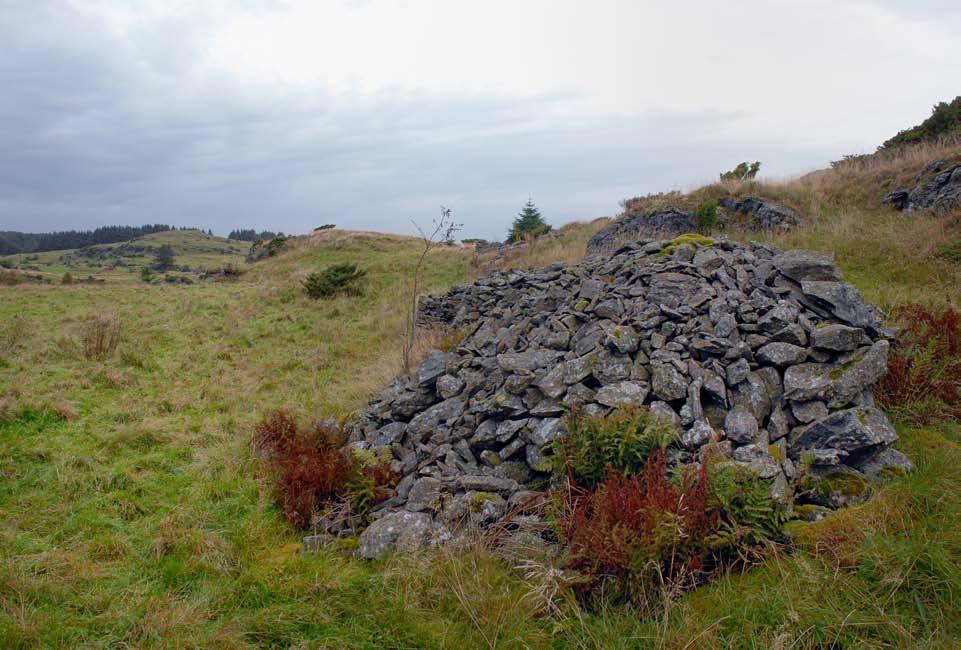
[326,226]
[100,336]
[313,469]
[646,538]
[620,442]
[705,215]
[66,279]
[339,279]
[923,381]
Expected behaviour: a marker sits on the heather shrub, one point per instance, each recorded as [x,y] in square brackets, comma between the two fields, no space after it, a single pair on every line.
[620,442]
[339,279]
[100,336]
[924,367]
[312,469]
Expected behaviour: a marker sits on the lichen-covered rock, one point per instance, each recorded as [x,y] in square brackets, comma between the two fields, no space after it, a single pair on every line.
[937,187]
[401,530]
[766,354]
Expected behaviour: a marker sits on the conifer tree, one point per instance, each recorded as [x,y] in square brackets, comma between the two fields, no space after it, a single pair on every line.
[528,223]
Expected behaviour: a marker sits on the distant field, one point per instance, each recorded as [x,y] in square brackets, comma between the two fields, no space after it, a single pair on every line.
[122,262]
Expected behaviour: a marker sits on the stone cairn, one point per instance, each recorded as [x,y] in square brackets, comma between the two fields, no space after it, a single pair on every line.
[748,213]
[768,355]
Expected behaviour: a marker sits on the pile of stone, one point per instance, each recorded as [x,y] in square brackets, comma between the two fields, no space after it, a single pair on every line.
[936,187]
[767,355]
[749,213]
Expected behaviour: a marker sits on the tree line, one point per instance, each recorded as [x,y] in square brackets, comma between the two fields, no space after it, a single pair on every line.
[12,242]
[253,235]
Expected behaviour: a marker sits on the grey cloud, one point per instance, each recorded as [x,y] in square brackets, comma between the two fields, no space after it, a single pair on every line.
[94,133]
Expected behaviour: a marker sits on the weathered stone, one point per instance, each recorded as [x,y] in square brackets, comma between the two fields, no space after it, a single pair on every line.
[800,265]
[741,426]
[738,372]
[757,459]
[547,431]
[622,394]
[401,530]
[432,367]
[885,462]
[838,338]
[425,494]
[853,431]
[667,382]
[806,412]
[844,302]
[699,433]
[528,361]
[781,354]
[807,382]
[863,370]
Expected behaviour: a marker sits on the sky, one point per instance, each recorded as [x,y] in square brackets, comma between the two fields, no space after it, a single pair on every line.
[371,114]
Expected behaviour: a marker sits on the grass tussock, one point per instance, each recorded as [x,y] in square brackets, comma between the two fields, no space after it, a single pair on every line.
[100,336]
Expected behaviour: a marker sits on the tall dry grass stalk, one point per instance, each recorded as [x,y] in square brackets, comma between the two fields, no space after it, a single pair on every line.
[100,336]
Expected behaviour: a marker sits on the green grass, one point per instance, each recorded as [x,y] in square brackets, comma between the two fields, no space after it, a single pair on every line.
[191,248]
[146,519]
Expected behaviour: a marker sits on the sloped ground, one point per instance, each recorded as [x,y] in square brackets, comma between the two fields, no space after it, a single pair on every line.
[146,520]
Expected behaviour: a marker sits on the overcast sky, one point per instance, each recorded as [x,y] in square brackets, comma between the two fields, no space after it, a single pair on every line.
[287,114]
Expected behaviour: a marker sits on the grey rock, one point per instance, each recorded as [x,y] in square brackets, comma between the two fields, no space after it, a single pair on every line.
[668,384]
[852,431]
[547,431]
[805,412]
[401,530]
[758,460]
[844,302]
[737,372]
[663,412]
[425,494]
[528,361]
[699,433]
[800,265]
[807,382]
[432,367]
[863,370]
[781,354]
[741,426]
[388,435]
[838,338]
[622,394]
[886,461]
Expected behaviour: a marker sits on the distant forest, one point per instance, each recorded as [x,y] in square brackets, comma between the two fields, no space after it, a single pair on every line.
[253,235]
[12,242]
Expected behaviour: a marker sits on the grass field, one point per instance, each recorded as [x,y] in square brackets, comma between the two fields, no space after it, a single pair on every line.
[122,262]
[134,512]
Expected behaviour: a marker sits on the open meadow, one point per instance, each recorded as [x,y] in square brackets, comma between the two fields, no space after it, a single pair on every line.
[134,511]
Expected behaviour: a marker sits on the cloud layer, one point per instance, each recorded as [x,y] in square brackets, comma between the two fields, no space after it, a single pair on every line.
[285,115]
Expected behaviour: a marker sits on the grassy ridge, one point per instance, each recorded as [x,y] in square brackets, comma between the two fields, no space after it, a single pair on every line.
[144,519]
[192,248]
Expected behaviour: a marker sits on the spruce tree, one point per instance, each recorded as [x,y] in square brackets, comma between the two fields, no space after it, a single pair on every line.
[529,222]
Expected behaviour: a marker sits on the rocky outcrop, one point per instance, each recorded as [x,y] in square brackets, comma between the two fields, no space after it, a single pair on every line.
[767,353]
[763,215]
[937,187]
[669,222]
[749,213]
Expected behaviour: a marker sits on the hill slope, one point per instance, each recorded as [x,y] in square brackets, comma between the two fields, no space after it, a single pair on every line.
[194,251]
[133,510]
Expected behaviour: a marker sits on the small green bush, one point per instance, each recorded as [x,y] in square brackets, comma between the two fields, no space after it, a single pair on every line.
[622,442]
[66,279]
[705,216]
[326,226]
[743,172]
[339,279]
